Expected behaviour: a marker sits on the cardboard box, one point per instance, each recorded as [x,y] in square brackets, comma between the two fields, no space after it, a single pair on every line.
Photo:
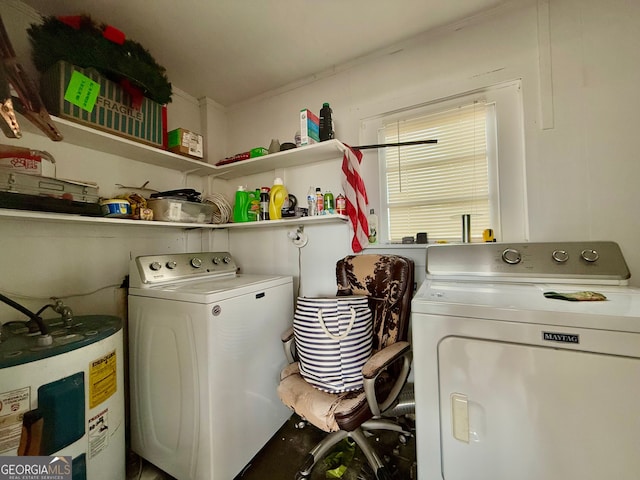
[309,127]
[100,103]
[186,143]
[30,166]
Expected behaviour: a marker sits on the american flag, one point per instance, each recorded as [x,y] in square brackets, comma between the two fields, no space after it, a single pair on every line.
[355,193]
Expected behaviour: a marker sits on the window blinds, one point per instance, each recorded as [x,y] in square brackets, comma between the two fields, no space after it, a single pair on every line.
[429,187]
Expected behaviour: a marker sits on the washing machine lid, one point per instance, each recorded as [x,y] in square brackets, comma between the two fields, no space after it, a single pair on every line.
[212,289]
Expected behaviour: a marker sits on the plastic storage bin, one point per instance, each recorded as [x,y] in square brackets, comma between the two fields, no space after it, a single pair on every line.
[175,210]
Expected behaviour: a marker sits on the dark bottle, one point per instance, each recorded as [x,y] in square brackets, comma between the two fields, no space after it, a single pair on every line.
[264,203]
[326,124]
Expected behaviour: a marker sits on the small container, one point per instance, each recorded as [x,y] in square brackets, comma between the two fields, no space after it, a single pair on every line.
[466,228]
[274,146]
[116,208]
[174,210]
[329,204]
[319,202]
[341,205]
[373,226]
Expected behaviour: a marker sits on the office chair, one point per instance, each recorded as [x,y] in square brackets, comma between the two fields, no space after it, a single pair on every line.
[388,282]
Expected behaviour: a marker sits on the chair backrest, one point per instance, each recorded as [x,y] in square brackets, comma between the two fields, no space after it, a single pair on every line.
[388,281]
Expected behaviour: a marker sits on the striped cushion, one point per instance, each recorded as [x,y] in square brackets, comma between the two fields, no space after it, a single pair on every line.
[333,338]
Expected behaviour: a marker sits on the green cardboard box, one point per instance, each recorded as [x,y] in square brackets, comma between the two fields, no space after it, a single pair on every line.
[111,109]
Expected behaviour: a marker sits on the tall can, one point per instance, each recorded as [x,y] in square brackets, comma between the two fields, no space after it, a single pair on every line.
[466,228]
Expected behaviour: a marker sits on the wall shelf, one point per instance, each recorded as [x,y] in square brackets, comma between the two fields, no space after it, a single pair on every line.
[287,222]
[69,218]
[318,152]
[95,139]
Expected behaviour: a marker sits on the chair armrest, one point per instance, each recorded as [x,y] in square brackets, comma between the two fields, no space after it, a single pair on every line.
[377,364]
[289,345]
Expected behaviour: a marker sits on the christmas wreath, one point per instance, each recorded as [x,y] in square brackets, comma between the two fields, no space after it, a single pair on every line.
[79,41]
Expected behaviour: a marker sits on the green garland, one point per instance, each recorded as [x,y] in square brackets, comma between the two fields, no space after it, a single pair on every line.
[86,47]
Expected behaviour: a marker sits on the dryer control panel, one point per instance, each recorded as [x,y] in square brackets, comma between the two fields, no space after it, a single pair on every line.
[578,262]
[151,269]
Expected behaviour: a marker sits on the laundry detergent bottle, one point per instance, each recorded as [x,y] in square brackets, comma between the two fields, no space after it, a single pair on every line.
[241,207]
[277,197]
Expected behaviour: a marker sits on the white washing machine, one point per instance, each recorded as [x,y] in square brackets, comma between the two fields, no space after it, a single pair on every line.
[511,383]
[205,359]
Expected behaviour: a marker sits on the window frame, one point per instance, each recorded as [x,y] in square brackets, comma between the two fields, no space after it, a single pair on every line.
[507,174]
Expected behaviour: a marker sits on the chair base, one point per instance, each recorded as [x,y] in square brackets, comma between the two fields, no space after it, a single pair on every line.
[359,437]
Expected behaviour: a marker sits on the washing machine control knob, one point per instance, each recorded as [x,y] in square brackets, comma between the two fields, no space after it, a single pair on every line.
[560,256]
[226,259]
[196,262]
[155,266]
[590,255]
[216,260]
[511,256]
[171,265]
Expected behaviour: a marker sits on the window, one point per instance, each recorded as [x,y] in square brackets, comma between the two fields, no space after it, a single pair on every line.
[429,187]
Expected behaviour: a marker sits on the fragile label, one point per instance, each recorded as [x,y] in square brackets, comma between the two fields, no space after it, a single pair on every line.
[102,379]
[82,91]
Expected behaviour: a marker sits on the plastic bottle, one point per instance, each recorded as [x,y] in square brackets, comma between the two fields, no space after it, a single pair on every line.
[326,124]
[312,202]
[341,205]
[277,196]
[329,204]
[264,203]
[240,208]
[253,209]
[373,226]
[319,202]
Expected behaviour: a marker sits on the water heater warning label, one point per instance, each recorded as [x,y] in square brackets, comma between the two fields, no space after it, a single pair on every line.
[102,379]
[13,405]
[98,433]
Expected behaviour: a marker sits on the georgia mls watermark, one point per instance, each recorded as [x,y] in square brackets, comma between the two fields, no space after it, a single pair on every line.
[35,468]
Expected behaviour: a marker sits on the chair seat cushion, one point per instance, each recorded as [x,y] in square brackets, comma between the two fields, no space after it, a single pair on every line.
[318,407]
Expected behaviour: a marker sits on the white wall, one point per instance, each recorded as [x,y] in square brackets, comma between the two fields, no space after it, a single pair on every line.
[580,165]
